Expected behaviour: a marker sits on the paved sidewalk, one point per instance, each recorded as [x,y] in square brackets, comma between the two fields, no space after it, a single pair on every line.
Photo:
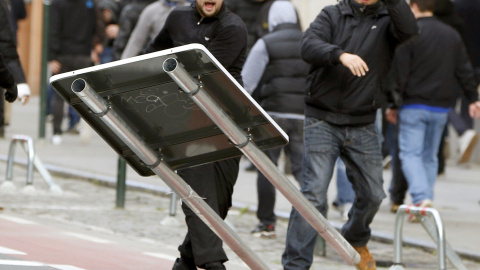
[457,192]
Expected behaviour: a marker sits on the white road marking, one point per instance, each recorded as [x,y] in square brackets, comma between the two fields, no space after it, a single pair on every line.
[30,263]
[65,267]
[20,263]
[161,256]
[4,250]
[87,237]
[16,220]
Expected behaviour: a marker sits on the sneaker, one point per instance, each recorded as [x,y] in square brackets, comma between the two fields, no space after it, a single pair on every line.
[467,142]
[339,208]
[346,210]
[424,204]
[387,161]
[264,231]
[366,260]
[56,139]
[251,168]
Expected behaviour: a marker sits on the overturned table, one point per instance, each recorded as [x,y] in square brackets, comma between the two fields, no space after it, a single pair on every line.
[179,108]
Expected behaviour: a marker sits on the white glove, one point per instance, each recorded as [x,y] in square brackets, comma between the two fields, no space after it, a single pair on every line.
[23,92]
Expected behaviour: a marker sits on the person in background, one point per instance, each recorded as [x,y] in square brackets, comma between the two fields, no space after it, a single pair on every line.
[110,13]
[249,12]
[210,23]
[75,41]
[8,49]
[427,85]
[127,22]
[350,46]
[276,70]
[149,24]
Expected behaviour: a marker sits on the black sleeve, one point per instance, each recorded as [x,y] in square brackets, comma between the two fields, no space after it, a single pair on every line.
[54,40]
[316,46]
[465,74]
[6,78]
[403,23]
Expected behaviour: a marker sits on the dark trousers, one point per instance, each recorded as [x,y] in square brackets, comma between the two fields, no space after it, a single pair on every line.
[398,186]
[214,183]
[265,190]
[69,63]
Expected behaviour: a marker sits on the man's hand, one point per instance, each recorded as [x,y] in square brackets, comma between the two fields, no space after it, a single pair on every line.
[474,110]
[54,66]
[357,66]
[391,115]
[11,93]
[23,93]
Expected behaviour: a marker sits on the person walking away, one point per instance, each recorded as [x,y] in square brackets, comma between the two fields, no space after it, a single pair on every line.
[350,46]
[427,86]
[276,70]
[223,33]
[75,41]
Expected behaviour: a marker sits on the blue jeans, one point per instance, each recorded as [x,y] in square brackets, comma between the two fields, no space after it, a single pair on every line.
[294,150]
[359,148]
[419,138]
[345,193]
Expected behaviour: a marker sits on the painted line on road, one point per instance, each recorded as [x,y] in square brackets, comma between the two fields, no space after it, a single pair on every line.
[16,220]
[87,237]
[20,263]
[4,250]
[65,267]
[30,263]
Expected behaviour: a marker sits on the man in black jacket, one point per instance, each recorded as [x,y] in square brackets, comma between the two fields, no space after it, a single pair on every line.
[427,71]
[350,47]
[223,33]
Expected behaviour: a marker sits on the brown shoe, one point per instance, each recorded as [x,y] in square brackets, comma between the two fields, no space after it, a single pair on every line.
[366,260]
[394,208]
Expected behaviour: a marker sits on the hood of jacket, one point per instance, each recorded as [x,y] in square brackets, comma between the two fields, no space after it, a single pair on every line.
[281,12]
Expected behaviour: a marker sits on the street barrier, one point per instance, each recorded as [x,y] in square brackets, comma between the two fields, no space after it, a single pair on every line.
[32,161]
[434,228]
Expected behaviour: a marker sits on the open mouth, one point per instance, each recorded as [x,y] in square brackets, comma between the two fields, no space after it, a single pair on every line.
[209,6]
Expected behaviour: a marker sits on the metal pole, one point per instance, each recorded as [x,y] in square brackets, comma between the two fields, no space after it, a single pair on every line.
[121,182]
[260,160]
[43,79]
[108,115]
[173,205]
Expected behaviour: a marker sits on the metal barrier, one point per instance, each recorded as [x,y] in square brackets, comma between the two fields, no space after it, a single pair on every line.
[32,161]
[434,228]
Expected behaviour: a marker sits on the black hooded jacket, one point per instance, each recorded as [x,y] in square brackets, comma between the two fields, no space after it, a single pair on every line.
[219,34]
[372,32]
